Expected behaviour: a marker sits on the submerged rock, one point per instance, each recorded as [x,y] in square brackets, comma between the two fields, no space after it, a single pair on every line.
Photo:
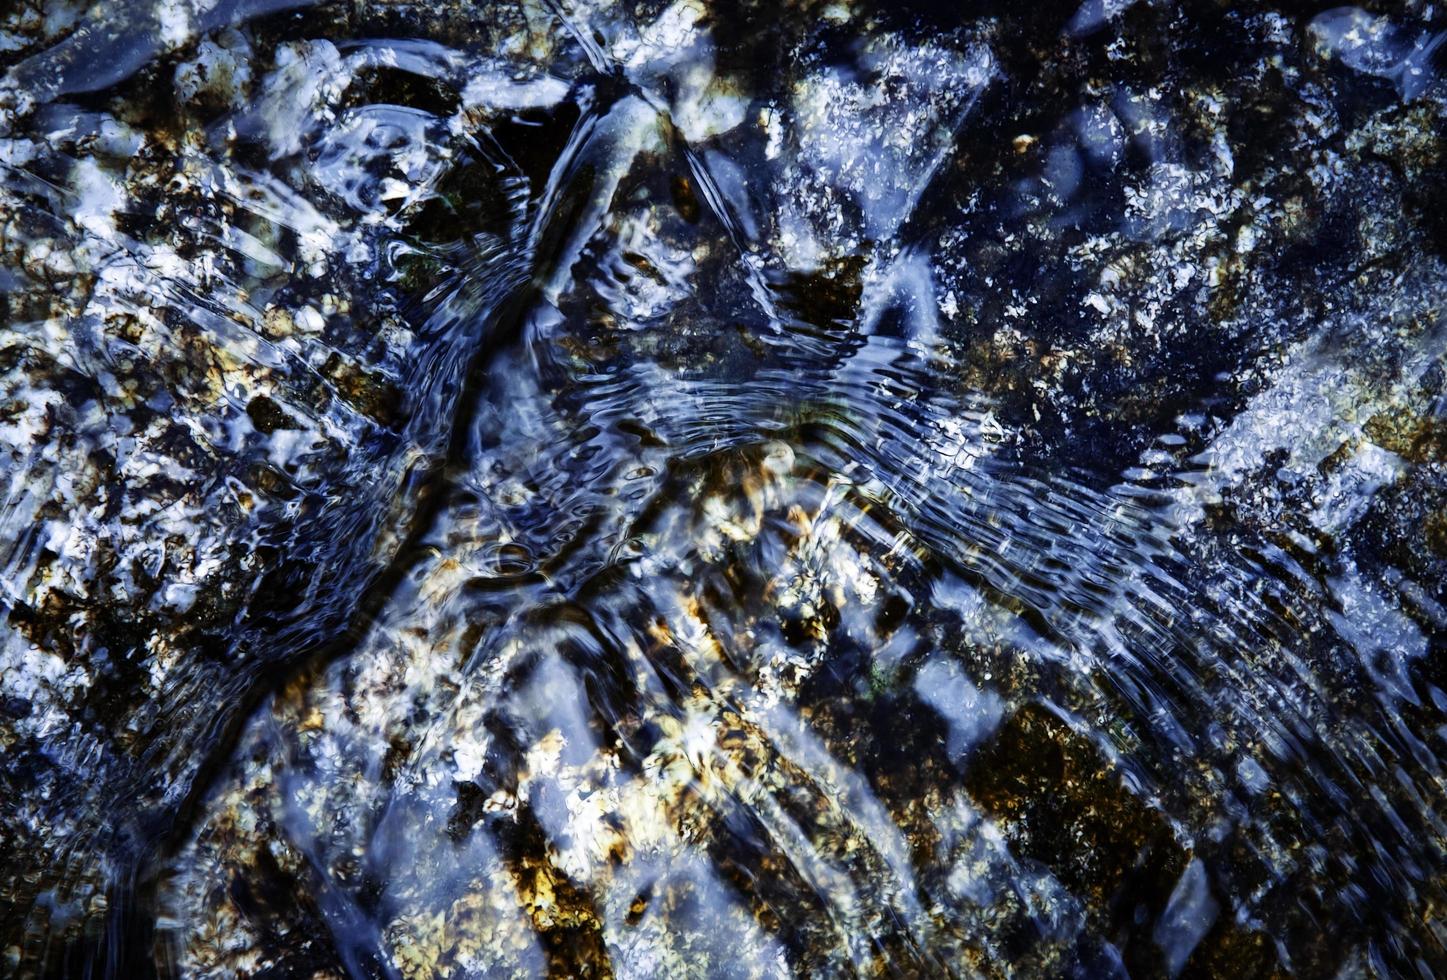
[717,489]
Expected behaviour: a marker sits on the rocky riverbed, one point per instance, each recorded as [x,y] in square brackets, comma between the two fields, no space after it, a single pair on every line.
[723,488]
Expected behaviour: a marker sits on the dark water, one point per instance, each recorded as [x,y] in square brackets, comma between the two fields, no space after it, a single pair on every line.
[723,489]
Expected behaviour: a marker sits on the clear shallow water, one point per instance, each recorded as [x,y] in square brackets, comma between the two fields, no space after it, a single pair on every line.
[688,489]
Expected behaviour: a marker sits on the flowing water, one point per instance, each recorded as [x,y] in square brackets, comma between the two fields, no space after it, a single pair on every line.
[716,488]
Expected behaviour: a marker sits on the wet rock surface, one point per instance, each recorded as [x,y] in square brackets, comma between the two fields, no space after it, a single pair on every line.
[719,489]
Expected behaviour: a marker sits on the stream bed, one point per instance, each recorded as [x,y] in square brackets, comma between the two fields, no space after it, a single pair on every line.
[722,488]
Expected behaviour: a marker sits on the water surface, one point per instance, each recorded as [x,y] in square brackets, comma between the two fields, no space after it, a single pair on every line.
[717,489]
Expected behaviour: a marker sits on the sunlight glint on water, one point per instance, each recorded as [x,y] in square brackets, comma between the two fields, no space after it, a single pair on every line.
[714,489]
